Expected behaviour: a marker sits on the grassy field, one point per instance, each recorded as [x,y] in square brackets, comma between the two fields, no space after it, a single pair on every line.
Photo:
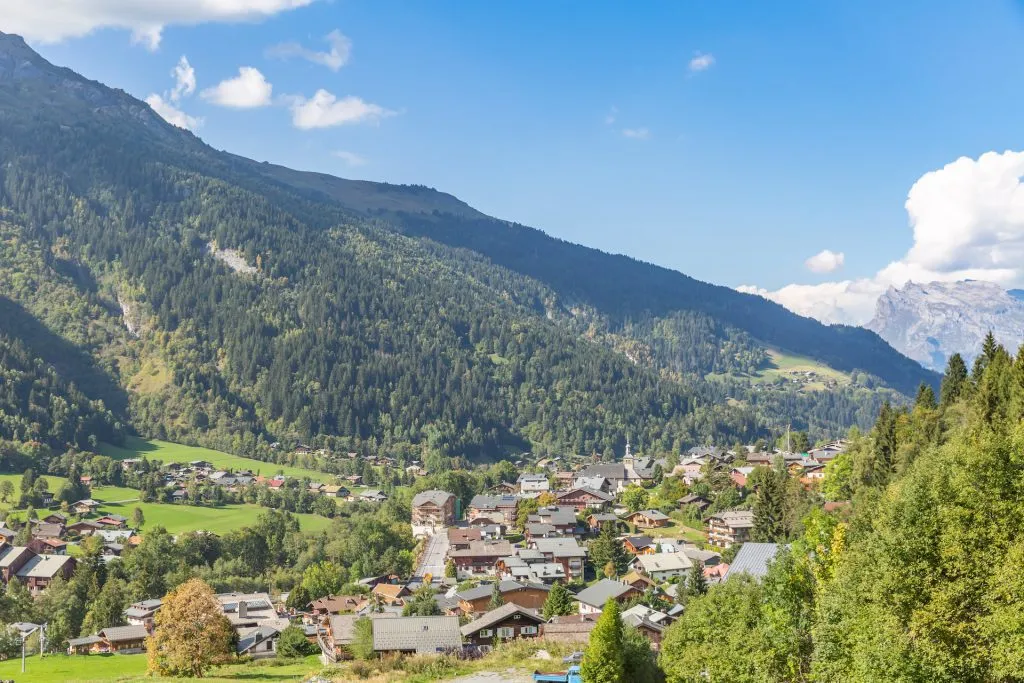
[172,452]
[133,668]
[113,494]
[181,518]
[795,368]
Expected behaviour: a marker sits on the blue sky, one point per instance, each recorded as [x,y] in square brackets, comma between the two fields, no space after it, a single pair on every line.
[805,131]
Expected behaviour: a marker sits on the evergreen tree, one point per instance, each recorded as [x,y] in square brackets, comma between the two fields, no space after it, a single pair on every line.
[559,602]
[604,658]
[696,583]
[769,505]
[496,600]
[954,382]
[608,549]
[925,397]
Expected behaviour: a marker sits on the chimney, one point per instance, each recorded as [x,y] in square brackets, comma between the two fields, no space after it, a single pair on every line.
[243,609]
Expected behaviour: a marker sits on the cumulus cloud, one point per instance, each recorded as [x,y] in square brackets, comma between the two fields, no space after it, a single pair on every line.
[56,20]
[636,133]
[350,158]
[324,110]
[184,79]
[172,114]
[702,62]
[825,261]
[246,91]
[968,223]
[333,59]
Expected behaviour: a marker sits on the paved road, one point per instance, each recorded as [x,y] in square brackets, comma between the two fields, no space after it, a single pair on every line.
[432,561]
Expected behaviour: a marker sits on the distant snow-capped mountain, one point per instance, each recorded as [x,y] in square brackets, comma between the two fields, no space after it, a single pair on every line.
[930,322]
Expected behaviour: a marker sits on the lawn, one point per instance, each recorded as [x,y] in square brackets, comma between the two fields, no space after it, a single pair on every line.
[172,452]
[181,518]
[113,494]
[676,529]
[133,668]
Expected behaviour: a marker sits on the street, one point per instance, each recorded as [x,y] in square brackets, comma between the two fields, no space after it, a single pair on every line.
[432,561]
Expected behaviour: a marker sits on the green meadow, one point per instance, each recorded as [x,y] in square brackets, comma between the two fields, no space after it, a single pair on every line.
[181,518]
[123,668]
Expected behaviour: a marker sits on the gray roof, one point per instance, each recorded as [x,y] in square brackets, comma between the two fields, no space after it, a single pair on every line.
[343,628]
[485,590]
[425,635]
[561,515]
[118,633]
[539,529]
[482,502]
[601,592]
[652,514]
[611,470]
[43,566]
[85,640]
[753,559]
[255,637]
[11,553]
[532,477]
[498,615]
[438,498]
[560,547]
[736,519]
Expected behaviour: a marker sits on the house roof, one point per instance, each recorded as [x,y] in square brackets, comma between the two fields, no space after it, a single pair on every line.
[122,633]
[560,547]
[483,591]
[422,634]
[343,628]
[333,604]
[664,562]
[484,549]
[753,559]
[556,514]
[47,529]
[639,542]
[85,640]
[435,497]
[461,536]
[496,616]
[651,514]
[254,637]
[389,590]
[599,593]
[575,627]
[736,519]
[483,502]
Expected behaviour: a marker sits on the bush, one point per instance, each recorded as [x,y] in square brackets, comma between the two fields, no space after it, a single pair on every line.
[293,643]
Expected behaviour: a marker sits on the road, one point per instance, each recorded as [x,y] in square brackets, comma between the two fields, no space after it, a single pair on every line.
[432,561]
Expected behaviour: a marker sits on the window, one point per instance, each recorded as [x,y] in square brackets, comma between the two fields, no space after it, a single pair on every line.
[528,631]
[506,632]
[486,633]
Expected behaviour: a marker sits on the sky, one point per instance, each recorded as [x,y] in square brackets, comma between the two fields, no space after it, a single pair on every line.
[814,153]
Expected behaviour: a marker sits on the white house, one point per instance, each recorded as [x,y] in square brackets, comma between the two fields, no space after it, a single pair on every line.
[533,483]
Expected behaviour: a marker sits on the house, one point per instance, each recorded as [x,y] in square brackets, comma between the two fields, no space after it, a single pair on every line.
[46,498]
[651,623]
[565,551]
[730,527]
[354,479]
[47,530]
[335,491]
[497,508]
[259,642]
[248,610]
[84,507]
[416,635]
[479,558]
[41,570]
[526,571]
[695,503]
[639,581]
[663,566]
[84,645]
[707,558]
[561,517]
[640,545]
[86,527]
[533,483]
[534,530]
[336,604]
[373,496]
[648,519]
[591,599]
[476,600]
[432,510]
[391,593]
[48,546]
[7,535]
[828,452]
[143,612]
[584,499]
[691,470]
[740,475]
[508,622]
[113,521]
[12,559]
[615,475]
[812,475]
[598,519]
[572,628]
[125,640]
[336,636]
[56,518]
[753,559]
[461,538]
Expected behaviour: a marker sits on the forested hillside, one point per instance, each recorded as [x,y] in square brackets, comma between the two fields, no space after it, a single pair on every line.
[230,303]
[918,581]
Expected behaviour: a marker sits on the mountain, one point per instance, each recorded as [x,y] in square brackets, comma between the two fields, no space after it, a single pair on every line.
[930,322]
[233,303]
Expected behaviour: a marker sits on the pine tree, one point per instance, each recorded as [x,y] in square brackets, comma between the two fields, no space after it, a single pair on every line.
[603,659]
[606,548]
[496,599]
[769,506]
[559,602]
[696,584]
[955,380]
[925,397]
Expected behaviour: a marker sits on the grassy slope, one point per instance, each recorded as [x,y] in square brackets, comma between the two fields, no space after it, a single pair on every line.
[789,367]
[173,452]
[181,518]
[133,668]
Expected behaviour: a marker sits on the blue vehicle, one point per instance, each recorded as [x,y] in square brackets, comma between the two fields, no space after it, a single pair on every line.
[570,676]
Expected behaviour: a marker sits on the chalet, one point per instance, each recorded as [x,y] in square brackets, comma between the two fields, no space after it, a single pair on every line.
[336,604]
[591,599]
[614,474]
[662,567]
[828,452]
[7,535]
[639,581]
[572,628]
[707,558]
[142,613]
[479,558]
[258,643]
[508,622]
[461,538]
[12,559]
[691,469]
[730,527]
[709,452]
[56,518]
[812,475]
[113,521]
[504,507]
[534,530]
[48,546]
[354,479]
[335,491]
[433,509]
[416,635]
[740,475]
[84,645]
[648,519]
[533,483]
[84,507]
[640,545]
[179,496]
[336,636]
[598,519]
[584,499]
[562,518]
[201,465]
[694,503]
[530,566]
[41,570]
[649,622]
[391,593]
[565,551]
[475,600]
[249,610]
[86,527]
[564,479]
[47,530]
[125,640]
[373,496]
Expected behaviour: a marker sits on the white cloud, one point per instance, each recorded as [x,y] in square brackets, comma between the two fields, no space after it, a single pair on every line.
[324,110]
[613,114]
[968,223]
[172,114]
[825,261]
[51,21]
[334,59]
[350,158]
[702,62]
[247,90]
[636,133]
[184,79]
